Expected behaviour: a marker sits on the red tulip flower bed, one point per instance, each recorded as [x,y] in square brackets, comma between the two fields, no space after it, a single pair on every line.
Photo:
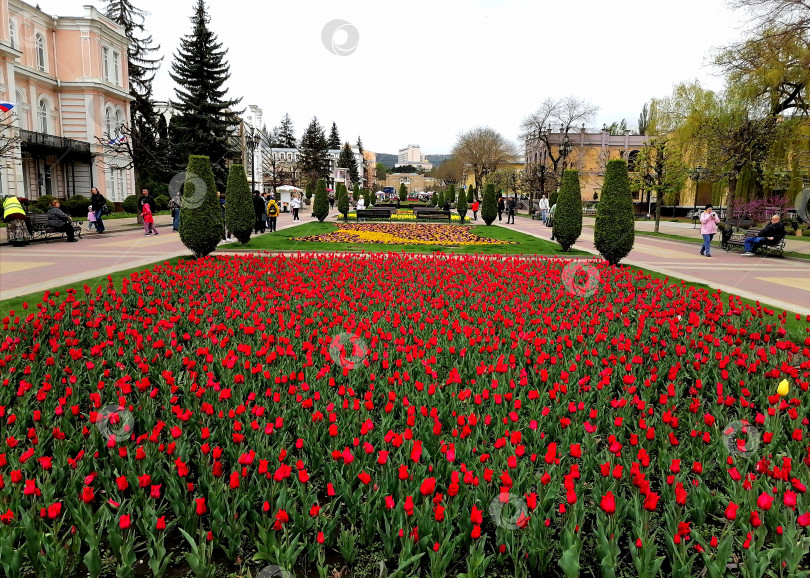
[444,415]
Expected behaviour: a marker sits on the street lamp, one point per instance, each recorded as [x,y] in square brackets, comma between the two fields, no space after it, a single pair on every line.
[565,149]
[252,141]
[696,174]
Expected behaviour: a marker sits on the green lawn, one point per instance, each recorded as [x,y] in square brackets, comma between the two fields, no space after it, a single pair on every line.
[282,241]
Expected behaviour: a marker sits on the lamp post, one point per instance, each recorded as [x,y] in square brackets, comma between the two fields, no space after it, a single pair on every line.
[252,141]
[696,174]
[565,149]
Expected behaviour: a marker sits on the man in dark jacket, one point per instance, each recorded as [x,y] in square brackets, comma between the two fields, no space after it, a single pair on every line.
[258,208]
[59,221]
[98,203]
[771,234]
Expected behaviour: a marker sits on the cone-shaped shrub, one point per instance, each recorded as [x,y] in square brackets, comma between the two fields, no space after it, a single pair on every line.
[240,217]
[568,214]
[440,200]
[451,194]
[200,214]
[403,192]
[552,199]
[367,197]
[343,200]
[470,194]
[356,193]
[489,207]
[434,200]
[320,206]
[614,231]
[309,189]
[461,205]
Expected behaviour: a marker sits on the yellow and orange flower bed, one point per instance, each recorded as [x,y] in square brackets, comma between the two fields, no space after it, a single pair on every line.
[402,234]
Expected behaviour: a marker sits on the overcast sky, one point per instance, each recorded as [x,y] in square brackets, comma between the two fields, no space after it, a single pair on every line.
[425,70]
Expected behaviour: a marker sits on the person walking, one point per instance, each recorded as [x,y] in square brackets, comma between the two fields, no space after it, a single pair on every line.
[16,222]
[296,205]
[501,207]
[99,205]
[550,221]
[145,198]
[331,200]
[258,209]
[475,209]
[543,207]
[174,205]
[272,213]
[511,208]
[59,221]
[91,218]
[708,228]
[148,221]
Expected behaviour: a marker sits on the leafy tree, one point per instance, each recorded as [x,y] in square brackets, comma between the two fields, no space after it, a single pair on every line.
[367,197]
[313,154]
[440,200]
[240,218]
[568,214]
[614,231]
[434,200]
[403,192]
[343,200]
[320,207]
[141,68]
[660,169]
[348,161]
[451,171]
[461,205]
[200,212]
[483,150]
[617,128]
[470,194]
[334,138]
[406,169]
[489,206]
[451,193]
[382,171]
[356,193]
[205,117]
[644,119]
[285,136]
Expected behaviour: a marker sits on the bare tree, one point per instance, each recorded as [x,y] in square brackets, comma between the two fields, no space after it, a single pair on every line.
[483,150]
[790,18]
[9,137]
[451,171]
[119,149]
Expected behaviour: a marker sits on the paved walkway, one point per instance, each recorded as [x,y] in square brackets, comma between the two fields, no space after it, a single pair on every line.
[780,282]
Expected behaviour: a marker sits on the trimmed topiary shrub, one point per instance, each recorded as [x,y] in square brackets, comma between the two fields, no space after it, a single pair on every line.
[614,231]
[567,224]
[440,200]
[200,213]
[356,193]
[470,194]
[240,217]
[553,198]
[76,206]
[434,200]
[162,203]
[461,206]
[110,207]
[308,190]
[343,200]
[403,192]
[130,204]
[44,203]
[489,206]
[451,194]
[320,206]
[367,197]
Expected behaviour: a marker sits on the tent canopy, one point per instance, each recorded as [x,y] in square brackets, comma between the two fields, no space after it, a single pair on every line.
[289,189]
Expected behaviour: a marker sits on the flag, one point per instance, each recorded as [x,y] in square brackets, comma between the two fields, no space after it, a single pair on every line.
[6,106]
[120,140]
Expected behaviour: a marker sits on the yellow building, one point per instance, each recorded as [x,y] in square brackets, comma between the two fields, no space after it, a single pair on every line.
[415,182]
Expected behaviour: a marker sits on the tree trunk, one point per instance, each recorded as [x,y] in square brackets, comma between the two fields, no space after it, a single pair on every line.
[657,211]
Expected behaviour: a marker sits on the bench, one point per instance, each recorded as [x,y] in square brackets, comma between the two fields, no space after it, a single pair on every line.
[39,224]
[738,240]
[364,214]
[432,215]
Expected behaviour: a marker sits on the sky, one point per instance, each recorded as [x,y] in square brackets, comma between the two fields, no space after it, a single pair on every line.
[424,71]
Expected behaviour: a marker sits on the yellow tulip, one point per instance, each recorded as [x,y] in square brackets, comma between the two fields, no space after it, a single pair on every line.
[782,390]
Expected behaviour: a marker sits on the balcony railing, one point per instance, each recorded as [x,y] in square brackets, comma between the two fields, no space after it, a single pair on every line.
[60,144]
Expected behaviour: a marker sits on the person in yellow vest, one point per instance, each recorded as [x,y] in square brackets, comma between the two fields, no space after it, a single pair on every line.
[17,227]
[272,213]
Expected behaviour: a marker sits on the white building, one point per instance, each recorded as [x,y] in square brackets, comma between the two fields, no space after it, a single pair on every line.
[412,155]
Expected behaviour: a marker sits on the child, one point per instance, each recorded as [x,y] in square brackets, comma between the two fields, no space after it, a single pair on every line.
[148,221]
[91,218]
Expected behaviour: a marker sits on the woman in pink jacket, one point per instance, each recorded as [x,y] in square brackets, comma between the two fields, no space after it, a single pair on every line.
[708,228]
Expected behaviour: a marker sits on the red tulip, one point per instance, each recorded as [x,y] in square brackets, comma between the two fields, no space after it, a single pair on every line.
[476,517]
[124,522]
[161,523]
[608,503]
[201,509]
[731,511]
[651,502]
[764,501]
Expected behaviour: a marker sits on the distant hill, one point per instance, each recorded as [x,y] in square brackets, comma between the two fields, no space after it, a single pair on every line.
[390,160]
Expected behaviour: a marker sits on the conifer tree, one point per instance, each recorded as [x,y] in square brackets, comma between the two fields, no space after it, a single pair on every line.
[343,200]
[461,205]
[489,206]
[470,194]
[347,161]
[614,229]
[286,133]
[141,68]
[320,206]
[313,154]
[451,193]
[334,138]
[205,116]
[403,192]
[200,213]
[567,222]
[240,217]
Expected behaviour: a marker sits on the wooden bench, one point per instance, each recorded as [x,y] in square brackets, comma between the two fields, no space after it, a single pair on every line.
[39,224]
[432,215]
[364,214]
[738,240]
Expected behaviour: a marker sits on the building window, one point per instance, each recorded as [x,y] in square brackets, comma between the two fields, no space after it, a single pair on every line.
[105,63]
[22,113]
[116,68]
[119,120]
[40,43]
[108,122]
[12,33]
[42,115]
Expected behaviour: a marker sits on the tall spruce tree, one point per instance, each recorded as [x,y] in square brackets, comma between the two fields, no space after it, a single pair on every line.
[362,167]
[206,117]
[313,154]
[286,133]
[347,161]
[334,138]
[141,67]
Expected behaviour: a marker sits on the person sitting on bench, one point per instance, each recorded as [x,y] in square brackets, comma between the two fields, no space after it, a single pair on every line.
[771,234]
